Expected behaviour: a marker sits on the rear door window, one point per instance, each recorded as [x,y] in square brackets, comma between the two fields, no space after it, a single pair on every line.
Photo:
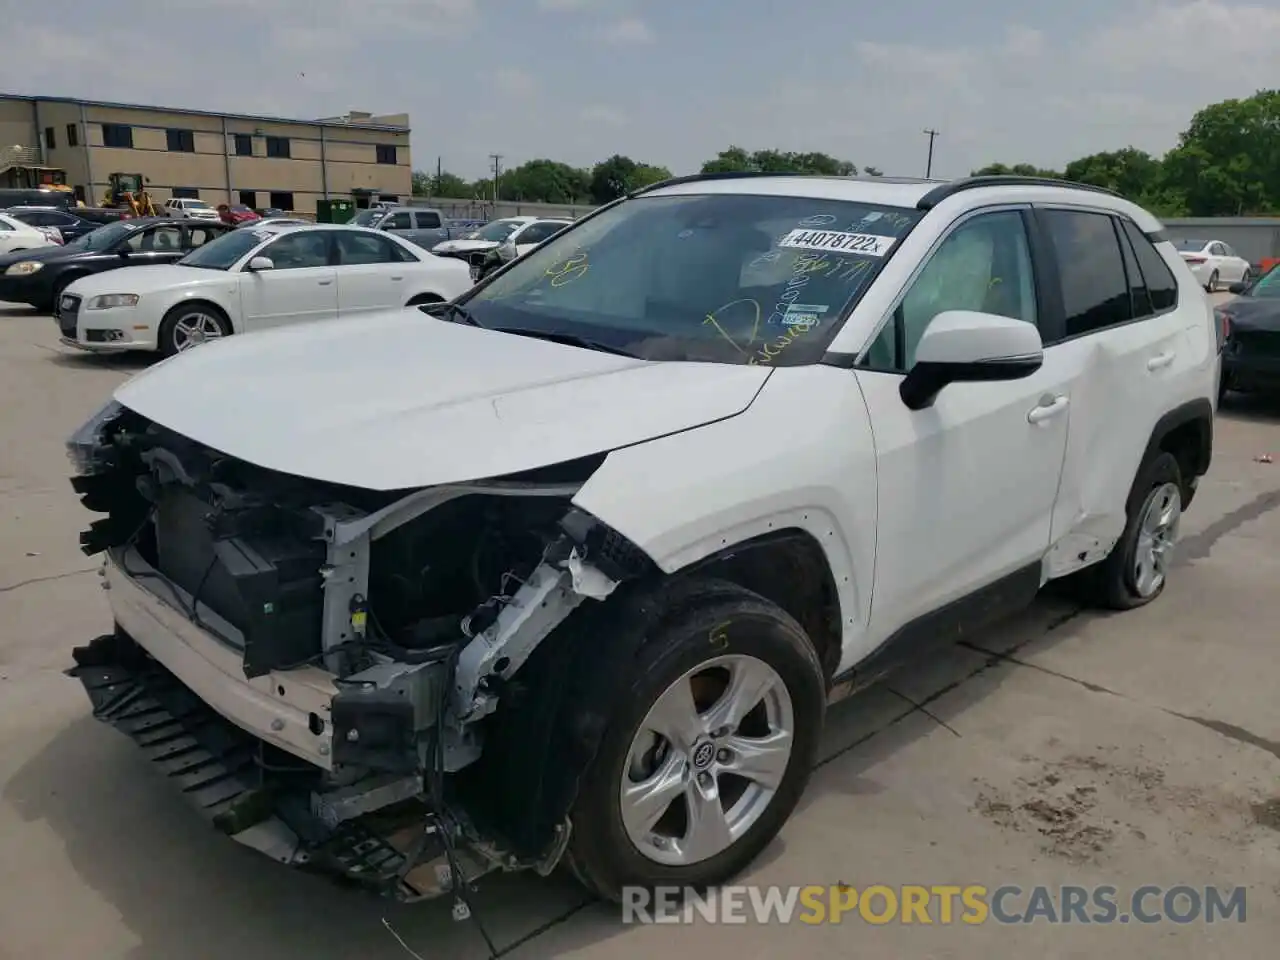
[1095,291]
[427,220]
[1156,275]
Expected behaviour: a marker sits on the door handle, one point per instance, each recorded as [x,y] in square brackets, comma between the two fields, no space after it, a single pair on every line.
[397,278]
[1160,361]
[324,283]
[1048,407]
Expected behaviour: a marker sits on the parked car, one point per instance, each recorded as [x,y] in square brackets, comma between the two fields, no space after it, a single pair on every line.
[237,214]
[521,241]
[569,568]
[38,277]
[267,212]
[278,221]
[494,233]
[250,280]
[1214,262]
[69,226]
[186,208]
[16,236]
[1251,335]
[419,225]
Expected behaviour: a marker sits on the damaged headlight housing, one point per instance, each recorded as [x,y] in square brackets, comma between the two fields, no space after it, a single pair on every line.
[109,300]
[84,446]
[24,268]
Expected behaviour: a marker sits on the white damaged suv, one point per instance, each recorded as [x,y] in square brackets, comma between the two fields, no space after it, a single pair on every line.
[569,569]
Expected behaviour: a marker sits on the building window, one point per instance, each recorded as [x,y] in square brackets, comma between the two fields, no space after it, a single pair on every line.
[278,147]
[117,135]
[185,193]
[50,141]
[244,145]
[280,199]
[73,135]
[181,141]
[386,153]
[249,198]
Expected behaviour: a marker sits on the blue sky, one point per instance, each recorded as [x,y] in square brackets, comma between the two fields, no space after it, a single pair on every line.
[674,81]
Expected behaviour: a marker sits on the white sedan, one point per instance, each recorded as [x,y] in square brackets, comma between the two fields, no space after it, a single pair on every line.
[1214,263]
[253,279]
[16,235]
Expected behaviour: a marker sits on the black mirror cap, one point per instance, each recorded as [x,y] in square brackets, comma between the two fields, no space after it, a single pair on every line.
[1237,287]
[923,382]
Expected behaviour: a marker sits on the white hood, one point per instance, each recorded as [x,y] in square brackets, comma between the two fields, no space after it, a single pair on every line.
[463,246]
[147,278]
[401,399]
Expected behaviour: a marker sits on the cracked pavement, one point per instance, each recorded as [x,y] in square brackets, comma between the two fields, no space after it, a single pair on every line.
[1063,747]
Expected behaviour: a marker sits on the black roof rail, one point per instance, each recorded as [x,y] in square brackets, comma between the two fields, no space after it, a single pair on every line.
[952,187]
[743,174]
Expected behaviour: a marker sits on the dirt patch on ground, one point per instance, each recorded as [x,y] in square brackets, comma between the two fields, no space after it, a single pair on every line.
[1082,805]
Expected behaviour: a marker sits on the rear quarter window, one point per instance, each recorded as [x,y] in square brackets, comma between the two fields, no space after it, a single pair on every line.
[1162,286]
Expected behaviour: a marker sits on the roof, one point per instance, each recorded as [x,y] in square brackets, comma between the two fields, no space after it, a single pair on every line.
[954,196]
[110,105]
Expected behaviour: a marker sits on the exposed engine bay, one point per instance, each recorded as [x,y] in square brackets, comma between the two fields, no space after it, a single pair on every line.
[381,726]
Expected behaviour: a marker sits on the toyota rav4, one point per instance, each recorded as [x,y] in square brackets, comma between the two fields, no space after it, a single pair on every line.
[568,569]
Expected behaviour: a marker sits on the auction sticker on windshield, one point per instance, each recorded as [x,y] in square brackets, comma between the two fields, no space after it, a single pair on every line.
[838,241]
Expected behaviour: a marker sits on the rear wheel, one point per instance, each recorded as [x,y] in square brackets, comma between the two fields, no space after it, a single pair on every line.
[707,755]
[1247,277]
[1136,570]
[189,325]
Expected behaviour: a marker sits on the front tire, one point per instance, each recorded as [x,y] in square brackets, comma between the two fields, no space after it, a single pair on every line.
[707,752]
[1212,285]
[1136,570]
[190,324]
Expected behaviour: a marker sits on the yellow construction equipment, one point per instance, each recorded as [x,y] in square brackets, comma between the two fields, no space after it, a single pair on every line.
[126,190]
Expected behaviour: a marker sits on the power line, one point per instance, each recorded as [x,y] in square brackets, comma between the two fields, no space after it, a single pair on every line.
[928,168]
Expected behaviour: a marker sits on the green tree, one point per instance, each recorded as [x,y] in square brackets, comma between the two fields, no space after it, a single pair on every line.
[1017,170]
[545,181]
[619,175]
[450,185]
[737,160]
[421,183]
[1227,162]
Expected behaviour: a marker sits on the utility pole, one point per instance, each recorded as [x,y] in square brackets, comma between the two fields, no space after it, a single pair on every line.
[497,175]
[928,168]
[439,173]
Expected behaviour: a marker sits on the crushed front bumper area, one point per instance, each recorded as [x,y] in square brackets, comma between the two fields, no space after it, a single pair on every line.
[243,786]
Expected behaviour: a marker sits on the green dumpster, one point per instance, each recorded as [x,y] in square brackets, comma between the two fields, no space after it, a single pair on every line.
[334,211]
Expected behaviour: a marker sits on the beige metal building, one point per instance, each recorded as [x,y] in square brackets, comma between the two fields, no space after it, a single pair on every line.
[220,158]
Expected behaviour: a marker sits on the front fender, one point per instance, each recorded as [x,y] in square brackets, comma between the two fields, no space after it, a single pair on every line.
[802,456]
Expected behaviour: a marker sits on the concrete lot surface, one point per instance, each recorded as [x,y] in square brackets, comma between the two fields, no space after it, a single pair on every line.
[1063,748]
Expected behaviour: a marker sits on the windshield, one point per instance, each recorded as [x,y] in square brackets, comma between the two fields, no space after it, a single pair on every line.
[497,231]
[196,205]
[1191,246]
[730,278]
[104,238]
[367,218]
[226,251]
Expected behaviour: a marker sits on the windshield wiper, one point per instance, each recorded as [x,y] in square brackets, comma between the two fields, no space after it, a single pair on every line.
[570,339]
[455,311]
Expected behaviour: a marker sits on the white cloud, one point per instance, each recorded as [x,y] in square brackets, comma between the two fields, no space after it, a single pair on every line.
[626,30]
[514,82]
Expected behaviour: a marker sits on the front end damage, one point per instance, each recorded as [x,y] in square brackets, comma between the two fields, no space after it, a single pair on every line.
[379,686]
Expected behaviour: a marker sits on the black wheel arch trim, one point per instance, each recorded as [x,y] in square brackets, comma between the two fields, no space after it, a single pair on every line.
[1198,411]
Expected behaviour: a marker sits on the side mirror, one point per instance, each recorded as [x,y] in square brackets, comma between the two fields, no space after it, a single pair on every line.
[261,263]
[1237,287]
[967,346]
